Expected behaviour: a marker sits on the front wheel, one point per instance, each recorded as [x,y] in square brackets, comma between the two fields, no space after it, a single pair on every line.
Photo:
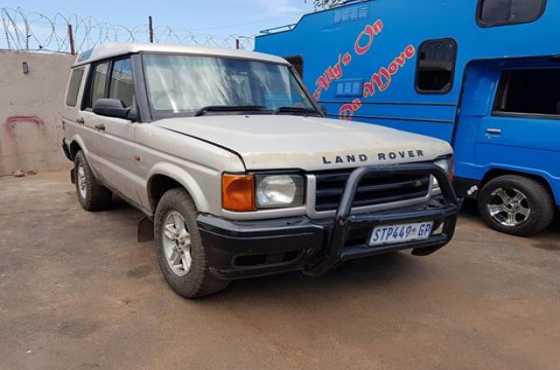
[516,205]
[182,257]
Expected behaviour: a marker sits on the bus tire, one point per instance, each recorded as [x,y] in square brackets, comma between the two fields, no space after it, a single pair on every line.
[516,205]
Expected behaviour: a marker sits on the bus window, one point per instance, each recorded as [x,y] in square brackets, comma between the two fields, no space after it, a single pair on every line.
[529,92]
[503,12]
[436,66]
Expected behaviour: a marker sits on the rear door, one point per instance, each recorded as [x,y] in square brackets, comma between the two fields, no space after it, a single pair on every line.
[96,88]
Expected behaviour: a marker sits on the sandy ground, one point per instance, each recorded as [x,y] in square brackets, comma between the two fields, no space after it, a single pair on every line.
[78,292]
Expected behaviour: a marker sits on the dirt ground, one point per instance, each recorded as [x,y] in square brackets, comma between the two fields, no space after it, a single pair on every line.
[78,292]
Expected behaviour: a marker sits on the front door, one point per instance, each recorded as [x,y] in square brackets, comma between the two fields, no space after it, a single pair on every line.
[510,120]
[525,119]
[114,136]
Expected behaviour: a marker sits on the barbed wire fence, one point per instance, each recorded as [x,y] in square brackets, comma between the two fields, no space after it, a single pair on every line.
[22,30]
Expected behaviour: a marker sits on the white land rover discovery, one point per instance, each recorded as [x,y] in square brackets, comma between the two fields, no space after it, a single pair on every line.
[239,170]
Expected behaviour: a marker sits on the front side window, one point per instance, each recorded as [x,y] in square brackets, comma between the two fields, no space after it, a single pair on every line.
[436,66]
[529,92]
[185,84]
[98,84]
[74,87]
[122,85]
[504,12]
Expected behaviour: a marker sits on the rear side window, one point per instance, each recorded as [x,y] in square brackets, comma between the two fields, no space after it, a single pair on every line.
[436,66]
[122,84]
[74,87]
[97,84]
[529,92]
[503,12]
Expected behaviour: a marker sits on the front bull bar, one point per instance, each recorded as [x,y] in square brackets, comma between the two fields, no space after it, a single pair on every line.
[344,217]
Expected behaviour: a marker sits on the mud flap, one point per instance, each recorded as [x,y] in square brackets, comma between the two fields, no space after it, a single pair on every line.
[145,230]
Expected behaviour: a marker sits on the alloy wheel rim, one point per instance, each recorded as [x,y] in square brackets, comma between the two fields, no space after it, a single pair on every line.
[82,181]
[177,244]
[509,207]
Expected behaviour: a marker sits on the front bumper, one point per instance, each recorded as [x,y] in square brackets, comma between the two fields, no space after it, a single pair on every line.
[242,249]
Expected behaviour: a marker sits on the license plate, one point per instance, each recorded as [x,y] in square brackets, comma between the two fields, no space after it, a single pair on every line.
[394,234]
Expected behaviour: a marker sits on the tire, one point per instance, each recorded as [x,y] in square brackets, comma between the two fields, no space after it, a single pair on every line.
[92,195]
[189,274]
[530,203]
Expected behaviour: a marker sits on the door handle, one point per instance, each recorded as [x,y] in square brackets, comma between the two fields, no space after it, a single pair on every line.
[80,120]
[494,131]
[100,127]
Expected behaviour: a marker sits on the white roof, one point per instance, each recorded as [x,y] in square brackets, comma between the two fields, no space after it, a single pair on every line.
[111,50]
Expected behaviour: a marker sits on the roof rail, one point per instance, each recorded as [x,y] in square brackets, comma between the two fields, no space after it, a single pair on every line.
[287,27]
[348,2]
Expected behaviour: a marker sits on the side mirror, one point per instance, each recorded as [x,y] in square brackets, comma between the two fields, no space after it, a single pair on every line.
[111,108]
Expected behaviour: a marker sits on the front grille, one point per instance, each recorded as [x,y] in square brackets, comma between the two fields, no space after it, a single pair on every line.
[372,190]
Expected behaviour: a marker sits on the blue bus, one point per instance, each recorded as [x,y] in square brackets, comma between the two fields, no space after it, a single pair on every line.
[482,74]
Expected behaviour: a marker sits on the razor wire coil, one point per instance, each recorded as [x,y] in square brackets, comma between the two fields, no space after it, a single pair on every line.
[22,30]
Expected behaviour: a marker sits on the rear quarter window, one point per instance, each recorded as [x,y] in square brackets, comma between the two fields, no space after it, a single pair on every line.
[493,13]
[74,87]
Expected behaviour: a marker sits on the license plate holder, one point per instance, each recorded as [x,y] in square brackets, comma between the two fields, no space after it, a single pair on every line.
[400,233]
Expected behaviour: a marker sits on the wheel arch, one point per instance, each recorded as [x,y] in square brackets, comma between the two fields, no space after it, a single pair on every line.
[76,145]
[164,177]
[540,178]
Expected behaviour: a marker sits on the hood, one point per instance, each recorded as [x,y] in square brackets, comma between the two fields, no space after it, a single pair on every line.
[308,143]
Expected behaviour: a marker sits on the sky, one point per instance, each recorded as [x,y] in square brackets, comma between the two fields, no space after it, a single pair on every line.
[217,18]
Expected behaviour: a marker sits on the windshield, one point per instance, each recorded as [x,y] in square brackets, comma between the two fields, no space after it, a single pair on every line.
[187,84]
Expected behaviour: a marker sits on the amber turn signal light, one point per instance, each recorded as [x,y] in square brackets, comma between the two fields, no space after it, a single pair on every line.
[451,173]
[238,193]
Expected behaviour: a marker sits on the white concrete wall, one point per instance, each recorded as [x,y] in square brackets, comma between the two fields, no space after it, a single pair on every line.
[30,111]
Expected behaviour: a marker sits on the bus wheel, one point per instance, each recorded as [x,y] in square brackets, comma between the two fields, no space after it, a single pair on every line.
[516,205]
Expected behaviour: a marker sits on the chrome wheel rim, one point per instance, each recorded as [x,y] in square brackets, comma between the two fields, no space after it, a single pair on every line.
[509,207]
[177,244]
[82,181]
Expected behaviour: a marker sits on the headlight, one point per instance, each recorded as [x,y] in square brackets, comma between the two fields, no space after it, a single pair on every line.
[279,191]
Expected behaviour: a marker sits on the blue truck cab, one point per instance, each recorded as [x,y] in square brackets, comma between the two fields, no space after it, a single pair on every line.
[481,74]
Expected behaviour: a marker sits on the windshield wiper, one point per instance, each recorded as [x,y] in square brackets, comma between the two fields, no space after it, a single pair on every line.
[297,110]
[229,108]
